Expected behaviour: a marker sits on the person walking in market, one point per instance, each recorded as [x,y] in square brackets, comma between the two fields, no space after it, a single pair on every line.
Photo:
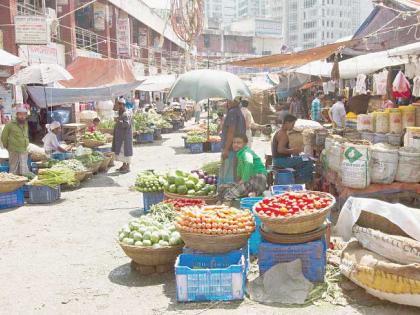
[233,124]
[337,113]
[316,107]
[197,112]
[296,107]
[249,122]
[122,142]
[251,173]
[286,157]
[15,138]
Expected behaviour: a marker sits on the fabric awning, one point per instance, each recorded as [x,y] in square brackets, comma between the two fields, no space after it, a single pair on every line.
[157,83]
[96,72]
[60,96]
[7,59]
[294,59]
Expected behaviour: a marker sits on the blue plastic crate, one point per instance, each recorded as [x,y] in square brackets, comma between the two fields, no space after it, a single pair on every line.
[145,137]
[284,177]
[279,189]
[210,277]
[256,238]
[4,168]
[12,199]
[106,148]
[151,198]
[196,148]
[216,146]
[312,254]
[186,144]
[61,156]
[244,251]
[43,194]
[177,124]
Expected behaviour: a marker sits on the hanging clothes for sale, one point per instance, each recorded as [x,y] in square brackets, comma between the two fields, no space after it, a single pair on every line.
[360,84]
[416,86]
[411,69]
[401,86]
[328,87]
[380,82]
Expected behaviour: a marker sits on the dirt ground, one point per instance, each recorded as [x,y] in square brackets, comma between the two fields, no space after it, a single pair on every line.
[64,259]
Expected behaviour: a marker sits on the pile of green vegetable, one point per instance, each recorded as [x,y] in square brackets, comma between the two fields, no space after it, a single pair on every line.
[212,168]
[97,136]
[91,159]
[141,123]
[163,212]
[54,177]
[149,181]
[196,139]
[73,164]
[147,231]
[188,184]
[107,124]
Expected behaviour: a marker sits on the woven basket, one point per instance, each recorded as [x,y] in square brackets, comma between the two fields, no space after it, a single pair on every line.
[151,257]
[112,156]
[80,176]
[299,223]
[6,187]
[94,168]
[88,143]
[105,164]
[214,244]
[212,200]
[278,238]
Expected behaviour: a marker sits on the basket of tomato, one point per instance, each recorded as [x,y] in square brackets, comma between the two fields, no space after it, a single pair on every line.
[179,204]
[215,229]
[294,212]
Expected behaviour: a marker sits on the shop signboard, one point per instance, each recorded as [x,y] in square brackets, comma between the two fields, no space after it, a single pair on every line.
[31,30]
[51,53]
[99,16]
[123,37]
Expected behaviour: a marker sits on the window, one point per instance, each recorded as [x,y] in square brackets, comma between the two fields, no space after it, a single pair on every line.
[328,23]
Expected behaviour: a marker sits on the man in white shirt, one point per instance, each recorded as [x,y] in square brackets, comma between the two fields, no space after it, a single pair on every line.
[160,106]
[51,143]
[337,113]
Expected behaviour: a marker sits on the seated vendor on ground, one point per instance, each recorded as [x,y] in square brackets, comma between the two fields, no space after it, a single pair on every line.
[51,143]
[94,125]
[251,175]
[285,156]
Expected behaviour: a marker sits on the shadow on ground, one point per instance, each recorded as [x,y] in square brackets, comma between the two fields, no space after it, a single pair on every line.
[126,276]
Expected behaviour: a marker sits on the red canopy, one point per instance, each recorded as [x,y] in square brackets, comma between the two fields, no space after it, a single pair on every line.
[95,72]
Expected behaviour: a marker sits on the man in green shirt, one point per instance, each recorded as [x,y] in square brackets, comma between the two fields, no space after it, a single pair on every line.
[15,139]
[251,172]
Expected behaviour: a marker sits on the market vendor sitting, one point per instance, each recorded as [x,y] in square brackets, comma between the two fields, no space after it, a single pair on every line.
[251,175]
[286,157]
[51,143]
[94,125]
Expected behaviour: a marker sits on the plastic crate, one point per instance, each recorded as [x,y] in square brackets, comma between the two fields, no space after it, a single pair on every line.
[12,199]
[25,191]
[145,137]
[312,255]
[43,194]
[284,177]
[157,135]
[177,124]
[243,251]
[166,130]
[107,148]
[216,146]
[4,168]
[186,144]
[279,189]
[150,199]
[61,156]
[210,277]
[196,148]
[256,238]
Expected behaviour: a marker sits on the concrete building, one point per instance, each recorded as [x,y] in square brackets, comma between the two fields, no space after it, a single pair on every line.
[311,23]
[220,12]
[255,8]
[58,33]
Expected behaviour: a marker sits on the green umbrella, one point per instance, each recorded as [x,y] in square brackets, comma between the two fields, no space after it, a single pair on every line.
[207,83]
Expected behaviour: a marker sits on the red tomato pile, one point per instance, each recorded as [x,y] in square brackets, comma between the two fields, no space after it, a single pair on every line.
[179,204]
[291,204]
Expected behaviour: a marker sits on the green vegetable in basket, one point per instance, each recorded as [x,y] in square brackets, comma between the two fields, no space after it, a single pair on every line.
[149,181]
[96,136]
[55,177]
[107,124]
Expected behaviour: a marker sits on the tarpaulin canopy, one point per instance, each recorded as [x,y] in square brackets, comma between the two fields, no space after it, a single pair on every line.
[365,64]
[59,96]
[157,83]
[7,59]
[391,24]
[294,59]
[96,72]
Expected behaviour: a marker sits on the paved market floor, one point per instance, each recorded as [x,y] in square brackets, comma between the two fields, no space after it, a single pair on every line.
[64,259]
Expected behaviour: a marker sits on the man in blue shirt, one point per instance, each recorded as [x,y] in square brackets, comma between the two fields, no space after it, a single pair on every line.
[316,107]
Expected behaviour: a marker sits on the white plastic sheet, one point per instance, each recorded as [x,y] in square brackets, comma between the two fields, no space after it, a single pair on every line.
[408,219]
